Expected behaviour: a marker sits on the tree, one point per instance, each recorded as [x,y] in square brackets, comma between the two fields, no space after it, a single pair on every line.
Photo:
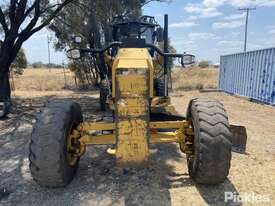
[20,62]
[170,63]
[204,64]
[19,20]
[37,65]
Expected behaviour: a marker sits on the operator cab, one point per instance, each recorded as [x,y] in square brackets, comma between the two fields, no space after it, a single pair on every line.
[135,33]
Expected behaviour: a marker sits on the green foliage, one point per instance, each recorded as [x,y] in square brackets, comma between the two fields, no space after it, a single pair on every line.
[84,73]
[39,65]
[91,19]
[204,64]
[19,20]
[20,63]
[159,65]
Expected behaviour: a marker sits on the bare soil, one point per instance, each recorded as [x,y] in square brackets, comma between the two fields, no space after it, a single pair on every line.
[164,182]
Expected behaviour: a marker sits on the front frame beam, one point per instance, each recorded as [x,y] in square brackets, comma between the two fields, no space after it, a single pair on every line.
[103,126]
[88,133]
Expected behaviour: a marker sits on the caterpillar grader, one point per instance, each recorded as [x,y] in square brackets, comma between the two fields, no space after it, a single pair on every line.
[142,114]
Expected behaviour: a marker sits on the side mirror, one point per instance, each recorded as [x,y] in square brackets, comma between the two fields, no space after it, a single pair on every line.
[187,59]
[74,54]
[160,36]
[77,39]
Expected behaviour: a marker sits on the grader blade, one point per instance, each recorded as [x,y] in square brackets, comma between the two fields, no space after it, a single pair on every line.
[238,138]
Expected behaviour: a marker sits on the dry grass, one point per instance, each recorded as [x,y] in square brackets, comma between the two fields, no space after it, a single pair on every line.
[195,78]
[44,80]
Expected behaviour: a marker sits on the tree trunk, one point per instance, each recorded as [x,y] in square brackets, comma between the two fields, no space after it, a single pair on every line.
[95,42]
[8,53]
[5,90]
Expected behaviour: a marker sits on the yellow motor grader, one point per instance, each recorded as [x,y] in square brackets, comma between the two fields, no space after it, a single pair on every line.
[142,115]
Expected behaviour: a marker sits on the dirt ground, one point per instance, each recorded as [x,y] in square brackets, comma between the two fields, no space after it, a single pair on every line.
[165,182]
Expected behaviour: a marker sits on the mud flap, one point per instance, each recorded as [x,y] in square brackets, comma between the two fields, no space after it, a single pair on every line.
[238,138]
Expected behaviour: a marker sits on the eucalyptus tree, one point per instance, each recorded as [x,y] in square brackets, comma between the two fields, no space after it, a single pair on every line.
[19,20]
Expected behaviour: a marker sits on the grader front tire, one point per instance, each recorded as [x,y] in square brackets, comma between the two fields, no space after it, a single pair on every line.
[159,87]
[104,92]
[48,155]
[210,163]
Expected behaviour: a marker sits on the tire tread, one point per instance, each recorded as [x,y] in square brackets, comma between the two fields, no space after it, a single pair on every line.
[46,150]
[213,148]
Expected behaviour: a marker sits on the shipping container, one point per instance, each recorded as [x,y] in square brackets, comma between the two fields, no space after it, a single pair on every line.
[250,74]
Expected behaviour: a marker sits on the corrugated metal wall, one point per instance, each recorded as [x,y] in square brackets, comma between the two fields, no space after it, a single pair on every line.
[250,74]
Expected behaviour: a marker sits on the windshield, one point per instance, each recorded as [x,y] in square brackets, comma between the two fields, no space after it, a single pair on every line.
[135,31]
[147,34]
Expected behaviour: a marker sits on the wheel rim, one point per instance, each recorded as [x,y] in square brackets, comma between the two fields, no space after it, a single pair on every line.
[190,139]
[72,154]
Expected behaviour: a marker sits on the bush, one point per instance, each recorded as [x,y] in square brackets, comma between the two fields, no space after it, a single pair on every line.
[204,64]
[20,63]
[37,65]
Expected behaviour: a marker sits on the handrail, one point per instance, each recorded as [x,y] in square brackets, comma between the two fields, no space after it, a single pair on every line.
[117,44]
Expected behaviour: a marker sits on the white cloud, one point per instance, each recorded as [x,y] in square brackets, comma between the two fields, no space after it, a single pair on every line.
[159,15]
[202,11]
[270,3]
[183,41]
[208,8]
[202,36]
[252,46]
[227,25]
[54,1]
[185,45]
[230,43]
[235,34]
[271,29]
[264,3]
[42,34]
[238,3]
[39,36]
[230,46]
[192,18]
[213,3]
[235,16]
[183,24]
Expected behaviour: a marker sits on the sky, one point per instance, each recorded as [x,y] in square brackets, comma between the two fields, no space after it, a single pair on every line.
[205,28]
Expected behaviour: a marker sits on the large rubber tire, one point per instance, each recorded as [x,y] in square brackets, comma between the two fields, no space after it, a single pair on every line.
[159,87]
[48,147]
[212,148]
[104,92]
[5,109]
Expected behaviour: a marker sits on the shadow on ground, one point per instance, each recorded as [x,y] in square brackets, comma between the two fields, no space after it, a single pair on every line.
[98,181]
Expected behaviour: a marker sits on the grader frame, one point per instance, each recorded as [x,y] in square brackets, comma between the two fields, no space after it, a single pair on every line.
[183,132]
[132,131]
[141,117]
